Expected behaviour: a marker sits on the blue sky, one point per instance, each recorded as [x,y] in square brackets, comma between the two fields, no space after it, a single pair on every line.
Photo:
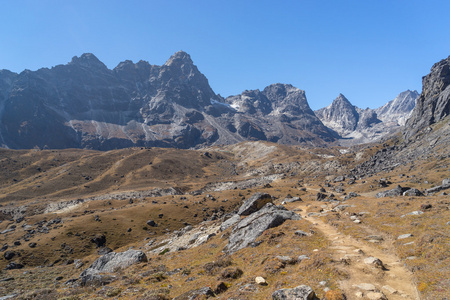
[368,50]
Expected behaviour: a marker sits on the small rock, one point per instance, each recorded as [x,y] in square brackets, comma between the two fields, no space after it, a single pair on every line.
[374,261]
[78,263]
[220,288]
[426,206]
[9,255]
[202,293]
[301,233]
[260,280]
[413,213]
[32,245]
[13,265]
[151,223]
[302,257]
[389,289]
[231,273]
[286,259]
[359,294]
[365,286]
[6,279]
[374,237]
[357,221]
[404,236]
[99,240]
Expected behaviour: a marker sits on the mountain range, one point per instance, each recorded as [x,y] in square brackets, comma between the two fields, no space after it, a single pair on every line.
[83,104]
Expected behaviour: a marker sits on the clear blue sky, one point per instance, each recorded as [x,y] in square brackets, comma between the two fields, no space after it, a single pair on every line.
[369,50]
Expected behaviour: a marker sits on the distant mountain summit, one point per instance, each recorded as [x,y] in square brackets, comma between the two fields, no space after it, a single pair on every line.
[83,104]
[340,115]
[398,110]
[356,125]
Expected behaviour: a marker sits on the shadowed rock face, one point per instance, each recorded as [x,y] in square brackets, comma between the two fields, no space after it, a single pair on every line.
[433,103]
[83,104]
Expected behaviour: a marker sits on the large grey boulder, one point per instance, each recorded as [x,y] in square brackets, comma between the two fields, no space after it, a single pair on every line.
[254,203]
[301,292]
[248,229]
[110,262]
[398,191]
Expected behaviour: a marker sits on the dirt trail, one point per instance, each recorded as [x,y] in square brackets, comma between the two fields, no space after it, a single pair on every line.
[398,279]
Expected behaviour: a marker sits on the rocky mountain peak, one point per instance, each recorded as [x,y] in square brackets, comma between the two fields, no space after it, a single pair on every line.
[340,115]
[87,60]
[178,59]
[287,99]
[398,110]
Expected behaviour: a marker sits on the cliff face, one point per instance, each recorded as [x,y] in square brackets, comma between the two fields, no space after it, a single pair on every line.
[433,103]
[83,104]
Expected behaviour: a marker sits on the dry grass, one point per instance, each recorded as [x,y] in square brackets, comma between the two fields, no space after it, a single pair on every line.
[62,176]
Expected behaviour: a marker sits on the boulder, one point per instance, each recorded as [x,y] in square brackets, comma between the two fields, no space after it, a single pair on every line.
[321,196]
[339,179]
[13,265]
[291,200]
[110,262]
[412,192]
[301,233]
[398,191]
[151,223]
[404,236]
[260,280]
[99,240]
[374,261]
[301,292]
[202,293]
[254,203]
[251,227]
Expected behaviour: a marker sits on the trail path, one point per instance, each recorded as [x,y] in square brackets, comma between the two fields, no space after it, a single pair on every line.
[398,279]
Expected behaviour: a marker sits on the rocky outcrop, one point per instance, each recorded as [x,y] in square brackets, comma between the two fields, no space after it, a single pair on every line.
[301,292]
[433,104]
[248,229]
[110,263]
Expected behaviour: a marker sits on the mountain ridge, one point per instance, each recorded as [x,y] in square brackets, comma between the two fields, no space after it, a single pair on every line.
[84,104]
